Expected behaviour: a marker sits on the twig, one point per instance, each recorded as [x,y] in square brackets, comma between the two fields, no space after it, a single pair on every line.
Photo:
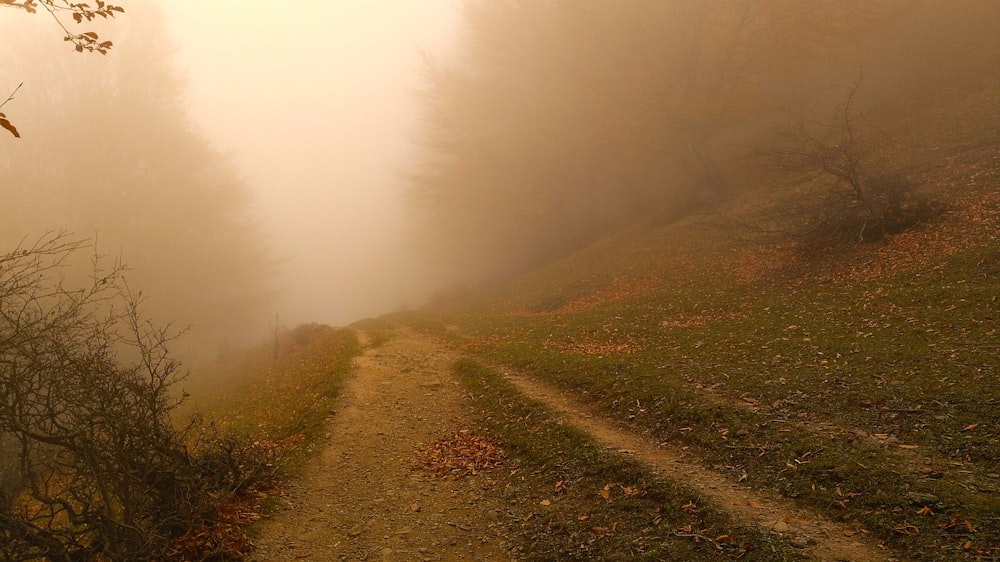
[699,536]
[11,96]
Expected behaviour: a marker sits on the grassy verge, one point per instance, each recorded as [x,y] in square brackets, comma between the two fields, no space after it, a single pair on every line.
[281,395]
[576,500]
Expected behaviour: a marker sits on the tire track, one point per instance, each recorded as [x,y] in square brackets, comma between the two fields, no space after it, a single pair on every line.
[820,537]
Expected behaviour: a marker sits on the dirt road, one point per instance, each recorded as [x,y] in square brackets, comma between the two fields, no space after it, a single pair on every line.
[366,497]
[363,498]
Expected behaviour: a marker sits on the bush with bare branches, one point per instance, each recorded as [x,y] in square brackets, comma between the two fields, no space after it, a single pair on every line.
[847,192]
[93,467]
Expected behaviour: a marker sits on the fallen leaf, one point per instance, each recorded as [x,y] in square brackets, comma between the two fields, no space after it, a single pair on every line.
[925,511]
[583,518]
[971,426]
[909,446]
[605,494]
[849,533]
[754,504]
[545,502]
[689,506]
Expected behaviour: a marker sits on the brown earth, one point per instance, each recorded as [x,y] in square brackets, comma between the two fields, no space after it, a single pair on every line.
[364,497]
[368,496]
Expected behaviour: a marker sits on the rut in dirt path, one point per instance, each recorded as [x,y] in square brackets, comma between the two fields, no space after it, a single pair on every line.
[362,498]
[819,536]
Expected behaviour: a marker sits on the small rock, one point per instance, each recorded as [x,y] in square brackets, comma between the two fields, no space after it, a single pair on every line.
[354,532]
[781,526]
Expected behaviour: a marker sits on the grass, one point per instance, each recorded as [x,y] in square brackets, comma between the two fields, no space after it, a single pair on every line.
[379,331]
[863,383]
[576,500]
[281,395]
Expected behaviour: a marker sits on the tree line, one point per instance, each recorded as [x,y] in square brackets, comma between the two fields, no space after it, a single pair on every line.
[557,121]
[107,152]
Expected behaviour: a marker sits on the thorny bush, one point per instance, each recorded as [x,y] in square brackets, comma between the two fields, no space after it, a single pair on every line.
[91,466]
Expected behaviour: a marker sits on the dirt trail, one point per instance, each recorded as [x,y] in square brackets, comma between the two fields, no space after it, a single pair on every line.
[362,499]
[821,538]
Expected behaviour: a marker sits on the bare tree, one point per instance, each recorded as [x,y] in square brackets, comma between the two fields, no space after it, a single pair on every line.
[850,194]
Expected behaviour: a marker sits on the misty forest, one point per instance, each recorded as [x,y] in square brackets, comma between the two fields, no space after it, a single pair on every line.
[500,280]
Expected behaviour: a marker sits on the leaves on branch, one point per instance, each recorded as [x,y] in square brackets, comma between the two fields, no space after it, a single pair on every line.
[9,126]
[80,12]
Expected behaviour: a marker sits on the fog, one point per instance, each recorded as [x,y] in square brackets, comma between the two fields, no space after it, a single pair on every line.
[262,162]
[316,105]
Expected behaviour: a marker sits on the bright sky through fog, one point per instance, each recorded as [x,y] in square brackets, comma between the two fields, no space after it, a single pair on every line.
[314,100]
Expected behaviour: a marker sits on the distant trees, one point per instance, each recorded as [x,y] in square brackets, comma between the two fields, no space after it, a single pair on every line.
[560,119]
[112,155]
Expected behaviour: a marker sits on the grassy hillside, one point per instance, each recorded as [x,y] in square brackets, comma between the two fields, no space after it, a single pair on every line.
[863,381]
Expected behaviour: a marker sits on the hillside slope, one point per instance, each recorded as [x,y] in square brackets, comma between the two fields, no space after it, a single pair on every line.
[861,382]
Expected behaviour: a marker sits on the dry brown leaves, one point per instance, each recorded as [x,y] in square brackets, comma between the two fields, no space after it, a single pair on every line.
[973,221]
[593,348]
[463,454]
[224,536]
[760,263]
[621,288]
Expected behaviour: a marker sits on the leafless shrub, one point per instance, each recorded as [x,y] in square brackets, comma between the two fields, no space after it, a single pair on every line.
[845,192]
[94,467]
